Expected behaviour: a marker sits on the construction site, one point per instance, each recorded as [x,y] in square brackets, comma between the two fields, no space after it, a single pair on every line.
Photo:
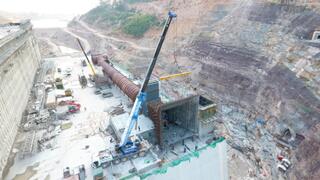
[192,97]
[79,108]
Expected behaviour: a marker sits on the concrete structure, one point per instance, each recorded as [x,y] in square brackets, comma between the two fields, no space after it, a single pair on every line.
[19,60]
[175,121]
[209,162]
[179,120]
[206,116]
[144,129]
[210,165]
[316,35]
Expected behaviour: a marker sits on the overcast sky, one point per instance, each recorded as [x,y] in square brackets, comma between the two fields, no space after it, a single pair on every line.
[73,7]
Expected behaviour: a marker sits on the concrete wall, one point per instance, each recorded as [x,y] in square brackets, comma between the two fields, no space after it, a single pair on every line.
[205,128]
[19,60]
[207,110]
[184,112]
[211,165]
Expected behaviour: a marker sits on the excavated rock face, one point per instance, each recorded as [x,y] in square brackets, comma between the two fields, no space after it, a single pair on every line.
[228,70]
[307,156]
[250,57]
[241,75]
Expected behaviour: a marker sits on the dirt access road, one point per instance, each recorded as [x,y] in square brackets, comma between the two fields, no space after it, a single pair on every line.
[110,38]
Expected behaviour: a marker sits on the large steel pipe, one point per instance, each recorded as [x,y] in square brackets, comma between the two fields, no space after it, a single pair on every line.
[99,57]
[128,87]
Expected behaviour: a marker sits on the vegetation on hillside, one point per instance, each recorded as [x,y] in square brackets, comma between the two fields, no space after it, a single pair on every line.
[121,17]
[138,24]
[107,15]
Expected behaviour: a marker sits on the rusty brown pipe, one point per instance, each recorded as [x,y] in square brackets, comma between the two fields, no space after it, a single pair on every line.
[127,86]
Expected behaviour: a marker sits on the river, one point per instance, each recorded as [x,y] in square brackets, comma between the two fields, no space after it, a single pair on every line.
[47,13]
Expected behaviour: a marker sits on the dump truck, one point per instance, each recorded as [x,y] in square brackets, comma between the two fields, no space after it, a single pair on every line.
[68,92]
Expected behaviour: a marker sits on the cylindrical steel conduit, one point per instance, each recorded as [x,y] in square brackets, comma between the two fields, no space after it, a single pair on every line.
[128,87]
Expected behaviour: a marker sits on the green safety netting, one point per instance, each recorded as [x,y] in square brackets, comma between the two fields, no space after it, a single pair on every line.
[163,169]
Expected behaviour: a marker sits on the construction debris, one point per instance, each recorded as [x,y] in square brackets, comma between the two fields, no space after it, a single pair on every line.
[117,110]
[66,125]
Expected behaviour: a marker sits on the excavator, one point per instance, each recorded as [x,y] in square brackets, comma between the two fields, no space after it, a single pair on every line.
[133,146]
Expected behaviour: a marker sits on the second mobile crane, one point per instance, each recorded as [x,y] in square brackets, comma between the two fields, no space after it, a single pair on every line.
[131,147]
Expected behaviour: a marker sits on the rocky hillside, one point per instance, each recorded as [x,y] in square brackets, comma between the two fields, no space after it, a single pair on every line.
[255,58]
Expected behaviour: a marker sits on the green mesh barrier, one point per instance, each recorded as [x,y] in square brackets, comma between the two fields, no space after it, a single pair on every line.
[164,168]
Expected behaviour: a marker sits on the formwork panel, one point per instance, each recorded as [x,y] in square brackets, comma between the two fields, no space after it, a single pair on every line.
[183,119]
[183,113]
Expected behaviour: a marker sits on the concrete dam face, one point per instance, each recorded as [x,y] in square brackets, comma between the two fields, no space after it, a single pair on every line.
[19,60]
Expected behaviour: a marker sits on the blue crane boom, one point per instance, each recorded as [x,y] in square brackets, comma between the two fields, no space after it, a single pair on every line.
[126,146]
